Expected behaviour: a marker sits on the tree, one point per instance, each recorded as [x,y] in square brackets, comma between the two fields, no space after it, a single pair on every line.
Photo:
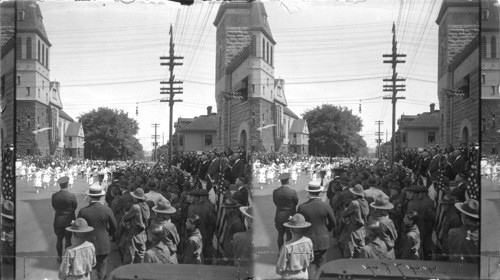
[109,135]
[334,131]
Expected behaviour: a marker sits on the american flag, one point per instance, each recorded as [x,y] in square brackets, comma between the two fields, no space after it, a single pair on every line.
[8,175]
[220,196]
[440,217]
[472,182]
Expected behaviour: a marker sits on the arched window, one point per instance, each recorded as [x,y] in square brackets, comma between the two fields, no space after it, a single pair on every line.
[483,47]
[38,57]
[493,47]
[47,57]
[263,49]
[28,48]
[19,49]
[43,54]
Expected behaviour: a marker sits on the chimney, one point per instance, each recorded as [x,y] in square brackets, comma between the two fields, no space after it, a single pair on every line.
[209,110]
[432,107]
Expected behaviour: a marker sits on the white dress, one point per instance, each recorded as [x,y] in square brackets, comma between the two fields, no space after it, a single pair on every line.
[262,175]
[38,179]
[294,174]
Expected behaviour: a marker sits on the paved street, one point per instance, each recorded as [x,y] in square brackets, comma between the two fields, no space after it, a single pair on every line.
[490,215]
[265,234]
[35,238]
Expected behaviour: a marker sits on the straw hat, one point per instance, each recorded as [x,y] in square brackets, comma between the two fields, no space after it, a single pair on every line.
[297,221]
[80,225]
[95,190]
[314,186]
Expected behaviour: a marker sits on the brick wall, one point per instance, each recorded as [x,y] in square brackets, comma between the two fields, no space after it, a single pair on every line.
[36,143]
[490,138]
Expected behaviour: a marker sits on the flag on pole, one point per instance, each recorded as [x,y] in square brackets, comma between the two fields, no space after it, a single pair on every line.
[440,213]
[472,183]
[8,175]
[220,225]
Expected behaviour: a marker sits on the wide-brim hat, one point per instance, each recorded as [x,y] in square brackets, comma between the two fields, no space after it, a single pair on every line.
[382,202]
[231,203]
[95,190]
[470,208]
[165,207]
[247,211]
[357,190]
[447,199]
[297,221]
[284,176]
[8,209]
[80,225]
[314,186]
[138,193]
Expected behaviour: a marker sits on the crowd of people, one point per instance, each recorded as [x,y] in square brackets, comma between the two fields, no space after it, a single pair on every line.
[424,207]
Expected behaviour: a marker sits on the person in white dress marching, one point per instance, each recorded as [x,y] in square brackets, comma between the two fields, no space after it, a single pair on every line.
[38,184]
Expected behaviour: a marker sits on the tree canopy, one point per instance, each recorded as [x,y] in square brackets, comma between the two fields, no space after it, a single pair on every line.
[334,131]
[109,135]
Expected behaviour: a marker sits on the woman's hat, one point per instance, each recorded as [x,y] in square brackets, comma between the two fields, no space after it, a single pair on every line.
[470,208]
[314,186]
[357,190]
[138,193]
[231,203]
[8,209]
[382,202]
[95,190]
[80,225]
[247,211]
[297,221]
[164,206]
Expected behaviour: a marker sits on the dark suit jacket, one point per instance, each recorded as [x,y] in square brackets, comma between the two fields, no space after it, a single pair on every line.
[213,169]
[458,166]
[64,203]
[286,201]
[241,196]
[103,221]
[124,203]
[238,170]
[320,215]
[434,167]
[203,169]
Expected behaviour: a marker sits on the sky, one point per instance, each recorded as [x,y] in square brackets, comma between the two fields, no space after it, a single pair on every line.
[106,54]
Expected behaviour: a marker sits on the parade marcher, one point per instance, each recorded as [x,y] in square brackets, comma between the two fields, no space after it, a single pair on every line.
[286,201]
[79,258]
[138,216]
[171,239]
[352,237]
[234,224]
[8,225]
[410,247]
[103,221]
[297,254]
[463,242]
[193,249]
[320,215]
[388,232]
[375,247]
[159,251]
[242,241]
[64,204]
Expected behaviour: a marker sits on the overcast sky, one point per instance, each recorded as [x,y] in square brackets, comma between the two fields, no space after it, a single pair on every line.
[107,54]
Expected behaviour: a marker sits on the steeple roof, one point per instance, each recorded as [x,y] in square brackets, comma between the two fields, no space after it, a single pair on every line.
[32,20]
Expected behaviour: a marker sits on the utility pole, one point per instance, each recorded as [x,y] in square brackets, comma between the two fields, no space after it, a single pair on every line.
[171,90]
[393,87]
[155,143]
[379,134]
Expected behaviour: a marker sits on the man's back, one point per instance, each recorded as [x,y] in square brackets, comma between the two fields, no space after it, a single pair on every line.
[64,203]
[320,215]
[103,221]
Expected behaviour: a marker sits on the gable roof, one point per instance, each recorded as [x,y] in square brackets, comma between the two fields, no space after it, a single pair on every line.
[64,115]
[73,129]
[289,112]
[298,126]
[426,120]
[202,123]
[55,99]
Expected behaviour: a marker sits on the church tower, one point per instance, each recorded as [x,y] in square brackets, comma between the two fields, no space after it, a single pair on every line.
[245,67]
[34,93]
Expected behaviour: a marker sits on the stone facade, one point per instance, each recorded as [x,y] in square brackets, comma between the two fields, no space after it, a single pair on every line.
[458,69]
[31,116]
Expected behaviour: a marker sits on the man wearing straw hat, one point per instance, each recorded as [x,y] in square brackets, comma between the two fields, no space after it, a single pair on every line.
[79,258]
[242,241]
[64,203]
[103,221]
[381,214]
[164,211]
[297,254]
[286,201]
[137,216]
[463,242]
[320,215]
